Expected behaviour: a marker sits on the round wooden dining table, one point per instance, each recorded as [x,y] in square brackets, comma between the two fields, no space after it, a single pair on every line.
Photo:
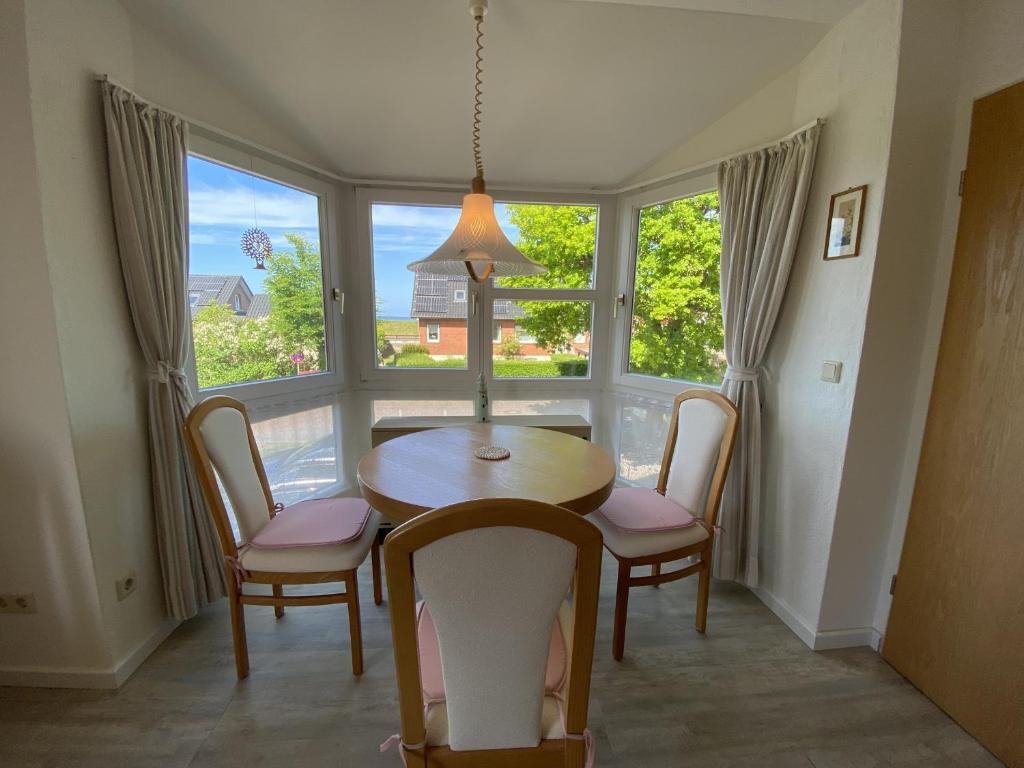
[412,474]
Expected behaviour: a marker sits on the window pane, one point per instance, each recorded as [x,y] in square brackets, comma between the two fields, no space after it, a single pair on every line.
[253,324]
[542,339]
[642,431]
[420,319]
[676,330]
[561,237]
[300,452]
[405,407]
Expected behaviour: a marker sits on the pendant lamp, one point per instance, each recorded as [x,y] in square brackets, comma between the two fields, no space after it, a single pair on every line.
[477,246]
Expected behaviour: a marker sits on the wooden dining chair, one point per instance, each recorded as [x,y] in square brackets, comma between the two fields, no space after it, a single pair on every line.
[644,526]
[311,542]
[494,664]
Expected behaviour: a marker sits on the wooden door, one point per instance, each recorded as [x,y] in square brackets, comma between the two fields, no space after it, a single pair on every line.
[957,625]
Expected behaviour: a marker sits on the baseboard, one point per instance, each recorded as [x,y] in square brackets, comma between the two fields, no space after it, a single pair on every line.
[84,677]
[831,639]
[788,616]
[46,677]
[819,640]
[127,666]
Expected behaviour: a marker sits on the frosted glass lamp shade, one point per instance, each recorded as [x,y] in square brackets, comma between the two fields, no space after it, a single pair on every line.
[477,246]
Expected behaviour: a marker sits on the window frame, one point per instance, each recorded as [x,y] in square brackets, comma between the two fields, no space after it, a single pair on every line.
[285,388]
[437,335]
[629,226]
[481,297]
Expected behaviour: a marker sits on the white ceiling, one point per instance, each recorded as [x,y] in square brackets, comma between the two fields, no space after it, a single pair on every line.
[577,93]
[821,11]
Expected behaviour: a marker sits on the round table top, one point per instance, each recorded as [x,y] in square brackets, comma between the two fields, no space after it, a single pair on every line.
[412,474]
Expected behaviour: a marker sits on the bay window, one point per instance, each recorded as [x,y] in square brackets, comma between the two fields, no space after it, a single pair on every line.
[258,331]
[449,328]
[672,328]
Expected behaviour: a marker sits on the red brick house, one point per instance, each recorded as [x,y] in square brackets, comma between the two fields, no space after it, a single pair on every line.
[440,304]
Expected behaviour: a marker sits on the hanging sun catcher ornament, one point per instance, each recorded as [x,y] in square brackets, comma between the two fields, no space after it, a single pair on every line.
[256,245]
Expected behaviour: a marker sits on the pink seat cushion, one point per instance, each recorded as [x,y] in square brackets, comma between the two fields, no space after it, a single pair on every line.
[314,523]
[432,680]
[644,510]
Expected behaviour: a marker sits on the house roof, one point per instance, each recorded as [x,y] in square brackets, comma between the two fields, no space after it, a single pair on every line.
[434,296]
[220,288]
[260,306]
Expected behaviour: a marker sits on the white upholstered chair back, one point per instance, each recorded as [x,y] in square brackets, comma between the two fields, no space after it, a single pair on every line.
[494,574]
[493,594]
[225,436]
[700,427]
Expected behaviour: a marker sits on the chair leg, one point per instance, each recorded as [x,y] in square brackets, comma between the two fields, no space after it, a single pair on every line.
[354,627]
[278,592]
[238,629]
[621,604]
[656,571]
[378,598]
[703,589]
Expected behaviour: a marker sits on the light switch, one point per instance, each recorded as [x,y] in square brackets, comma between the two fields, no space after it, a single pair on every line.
[831,371]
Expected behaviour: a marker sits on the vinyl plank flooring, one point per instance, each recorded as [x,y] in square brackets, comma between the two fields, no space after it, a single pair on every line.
[748,694]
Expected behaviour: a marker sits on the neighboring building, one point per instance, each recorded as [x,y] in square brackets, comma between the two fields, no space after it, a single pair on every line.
[231,290]
[440,304]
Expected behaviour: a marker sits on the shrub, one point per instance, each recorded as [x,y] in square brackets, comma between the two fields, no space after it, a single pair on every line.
[510,347]
[413,349]
[574,367]
[525,369]
[426,361]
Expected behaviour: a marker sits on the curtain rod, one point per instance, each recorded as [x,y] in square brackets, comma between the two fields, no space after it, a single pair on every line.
[710,164]
[444,185]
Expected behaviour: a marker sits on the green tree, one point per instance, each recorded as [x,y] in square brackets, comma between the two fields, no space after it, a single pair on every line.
[295,284]
[677,314]
[562,238]
[677,311]
[231,349]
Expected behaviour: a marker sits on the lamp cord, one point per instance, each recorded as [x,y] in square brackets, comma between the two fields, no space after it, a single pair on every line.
[478,96]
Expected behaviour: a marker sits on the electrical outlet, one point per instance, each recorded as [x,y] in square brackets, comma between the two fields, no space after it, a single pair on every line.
[18,603]
[125,586]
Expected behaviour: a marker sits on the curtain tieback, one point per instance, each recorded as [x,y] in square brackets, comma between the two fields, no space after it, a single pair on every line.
[738,373]
[163,372]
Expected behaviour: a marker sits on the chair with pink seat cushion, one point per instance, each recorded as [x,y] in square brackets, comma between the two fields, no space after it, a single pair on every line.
[311,542]
[493,666]
[676,519]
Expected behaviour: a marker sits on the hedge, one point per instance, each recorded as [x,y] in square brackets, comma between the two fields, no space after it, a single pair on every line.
[505,369]
[528,369]
[414,349]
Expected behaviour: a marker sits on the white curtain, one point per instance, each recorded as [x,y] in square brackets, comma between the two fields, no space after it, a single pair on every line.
[146,154]
[763,196]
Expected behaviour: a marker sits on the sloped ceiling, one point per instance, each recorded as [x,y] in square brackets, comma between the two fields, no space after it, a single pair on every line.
[577,93]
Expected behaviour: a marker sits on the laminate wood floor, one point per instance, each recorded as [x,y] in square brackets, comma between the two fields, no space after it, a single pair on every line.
[747,694]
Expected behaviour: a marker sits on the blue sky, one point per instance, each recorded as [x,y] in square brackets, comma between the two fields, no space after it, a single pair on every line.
[405,233]
[221,204]
[224,202]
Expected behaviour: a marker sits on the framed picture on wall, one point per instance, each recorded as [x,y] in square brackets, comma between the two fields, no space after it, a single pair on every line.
[845,220]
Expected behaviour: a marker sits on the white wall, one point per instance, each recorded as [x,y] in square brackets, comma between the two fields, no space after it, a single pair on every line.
[77,479]
[44,548]
[991,58]
[896,80]
[849,78]
[175,82]
[897,319]
[103,378]
[762,118]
